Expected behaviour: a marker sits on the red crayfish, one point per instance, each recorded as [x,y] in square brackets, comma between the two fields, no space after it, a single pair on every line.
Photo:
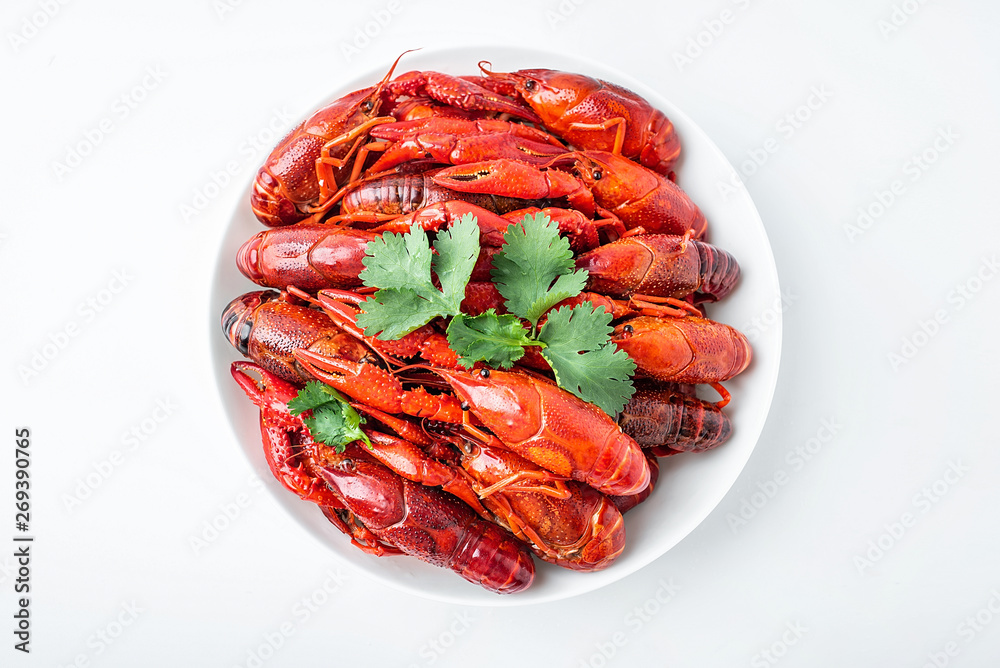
[381,510]
[474,469]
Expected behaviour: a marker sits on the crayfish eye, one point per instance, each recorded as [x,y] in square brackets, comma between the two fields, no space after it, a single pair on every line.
[628,329]
[484,373]
[597,175]
[530,85]
[367,106]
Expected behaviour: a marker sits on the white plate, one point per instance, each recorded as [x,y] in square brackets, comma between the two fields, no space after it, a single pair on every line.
[690,485]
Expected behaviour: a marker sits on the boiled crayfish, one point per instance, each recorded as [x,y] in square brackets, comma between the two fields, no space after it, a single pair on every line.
[474,469]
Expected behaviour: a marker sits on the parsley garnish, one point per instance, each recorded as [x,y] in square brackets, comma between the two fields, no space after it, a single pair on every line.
[332,420]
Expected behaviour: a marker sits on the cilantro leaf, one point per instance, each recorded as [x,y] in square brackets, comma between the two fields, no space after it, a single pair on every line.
[394,313]
[583,327]
[584,361]
[457,251]
[534,270]
[313,395]
[336,427]
[600,376]
[398,261]
[400,265]
[498,340]
[333,421]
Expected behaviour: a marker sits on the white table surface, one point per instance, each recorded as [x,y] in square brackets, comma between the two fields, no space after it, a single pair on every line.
[861,531]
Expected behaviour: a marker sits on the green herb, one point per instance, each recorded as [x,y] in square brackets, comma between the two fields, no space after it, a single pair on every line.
[498,340]
[583,358]
[535,269]
[332,420]
[400,265]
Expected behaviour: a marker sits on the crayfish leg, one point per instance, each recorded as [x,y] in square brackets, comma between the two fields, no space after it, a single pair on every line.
[724,393]
[604,125]
[325,162]
[519,482]
[663,306]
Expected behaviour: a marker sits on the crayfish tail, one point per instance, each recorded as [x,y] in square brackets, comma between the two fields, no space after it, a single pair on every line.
[719,271]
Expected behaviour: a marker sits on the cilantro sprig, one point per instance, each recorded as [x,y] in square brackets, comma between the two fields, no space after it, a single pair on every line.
[331,419]
[498,340]
[533,271]
[400,265]
[584,359]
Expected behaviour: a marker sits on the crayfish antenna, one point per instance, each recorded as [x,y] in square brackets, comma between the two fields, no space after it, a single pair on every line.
[388,75]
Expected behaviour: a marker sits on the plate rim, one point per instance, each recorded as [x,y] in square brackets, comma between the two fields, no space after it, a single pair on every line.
[341,549]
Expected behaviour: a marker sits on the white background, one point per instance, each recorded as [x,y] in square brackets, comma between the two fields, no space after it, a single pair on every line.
[880,550]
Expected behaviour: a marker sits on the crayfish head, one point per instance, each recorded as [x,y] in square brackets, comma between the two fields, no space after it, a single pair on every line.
[550,93]
[588,169]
